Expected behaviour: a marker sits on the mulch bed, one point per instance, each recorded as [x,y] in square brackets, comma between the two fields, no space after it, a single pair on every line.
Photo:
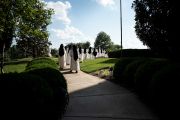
[109,77]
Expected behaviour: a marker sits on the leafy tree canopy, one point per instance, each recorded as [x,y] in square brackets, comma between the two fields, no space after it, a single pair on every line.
[103,41]
[155,26]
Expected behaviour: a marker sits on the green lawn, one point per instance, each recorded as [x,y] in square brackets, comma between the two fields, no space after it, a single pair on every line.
[97,64]
[18,65]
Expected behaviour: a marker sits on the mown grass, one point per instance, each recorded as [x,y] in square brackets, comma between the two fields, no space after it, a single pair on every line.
[97,64]
[18,65]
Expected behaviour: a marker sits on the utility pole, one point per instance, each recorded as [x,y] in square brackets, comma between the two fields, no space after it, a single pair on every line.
[121,25]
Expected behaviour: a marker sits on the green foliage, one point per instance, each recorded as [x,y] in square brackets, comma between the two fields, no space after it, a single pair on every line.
[119,68]
[81,44]
[29,93]
[32,33]
[163,90]
[54,52]
[41,61]
[81,61]
[144,74]
[131,53]
[128,74]
[154,26]
[105,73]
[26,20]
[116,47]
[52,76]
[103,41]
[97,72]
[48,70]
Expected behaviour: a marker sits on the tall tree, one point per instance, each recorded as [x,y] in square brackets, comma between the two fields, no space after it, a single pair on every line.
[7,25]
[86,44]
[103,41]
[32,31]
[22,17]
[155,26]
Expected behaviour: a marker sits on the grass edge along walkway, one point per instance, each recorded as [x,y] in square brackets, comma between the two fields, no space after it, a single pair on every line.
[97,64]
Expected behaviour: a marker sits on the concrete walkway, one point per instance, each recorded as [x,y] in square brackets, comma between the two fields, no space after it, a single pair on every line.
[93,98]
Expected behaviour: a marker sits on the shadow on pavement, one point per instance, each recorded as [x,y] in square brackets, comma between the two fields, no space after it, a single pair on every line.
[91,97]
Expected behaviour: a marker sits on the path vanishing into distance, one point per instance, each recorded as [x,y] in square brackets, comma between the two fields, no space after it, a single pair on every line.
[93,98]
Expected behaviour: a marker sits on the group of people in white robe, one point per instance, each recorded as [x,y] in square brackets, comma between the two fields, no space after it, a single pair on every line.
[71,56]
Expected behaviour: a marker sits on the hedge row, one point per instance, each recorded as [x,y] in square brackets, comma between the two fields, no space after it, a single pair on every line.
[131,53]
[39,92]
[152,79]
[25,96]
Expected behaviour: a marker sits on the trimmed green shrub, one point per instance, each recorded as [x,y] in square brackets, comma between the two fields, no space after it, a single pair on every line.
[119,68]
[42,60]
[41,65]
[131,69]
[49,71]
[131,53]
[164,91]
[144,74]
[25,96]
[52,76]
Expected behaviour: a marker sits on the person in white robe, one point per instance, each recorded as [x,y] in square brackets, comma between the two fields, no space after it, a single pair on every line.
[94,53]
[61,56]
[80,53]
[104,52]
[68,61]
[106,55]
[74,60]
[66,53]
[90,53]
[85,55]
[98,52]
[101,53]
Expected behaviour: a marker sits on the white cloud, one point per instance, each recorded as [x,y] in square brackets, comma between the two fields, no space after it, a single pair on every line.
[60,9]
[71,34]
[111,3]
[106,2]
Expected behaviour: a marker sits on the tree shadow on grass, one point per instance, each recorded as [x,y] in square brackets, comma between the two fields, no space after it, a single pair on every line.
[114,60]
[16,63]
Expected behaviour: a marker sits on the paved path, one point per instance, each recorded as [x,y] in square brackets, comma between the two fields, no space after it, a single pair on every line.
[93,98]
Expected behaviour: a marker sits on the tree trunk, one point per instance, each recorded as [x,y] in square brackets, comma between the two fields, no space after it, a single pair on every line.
[33,50]
[2,58]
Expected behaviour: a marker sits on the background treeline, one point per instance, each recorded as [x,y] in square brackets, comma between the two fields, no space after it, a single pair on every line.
[15,52]
[132,53]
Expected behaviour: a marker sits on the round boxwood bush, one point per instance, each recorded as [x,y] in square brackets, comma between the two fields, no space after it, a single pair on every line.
[52,76]
[120,66]
[25,96]
[144,74]
[41,65]
[164,91]
[131,69]
[43,61]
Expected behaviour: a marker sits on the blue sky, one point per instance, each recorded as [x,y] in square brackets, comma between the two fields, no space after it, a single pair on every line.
[81,20]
